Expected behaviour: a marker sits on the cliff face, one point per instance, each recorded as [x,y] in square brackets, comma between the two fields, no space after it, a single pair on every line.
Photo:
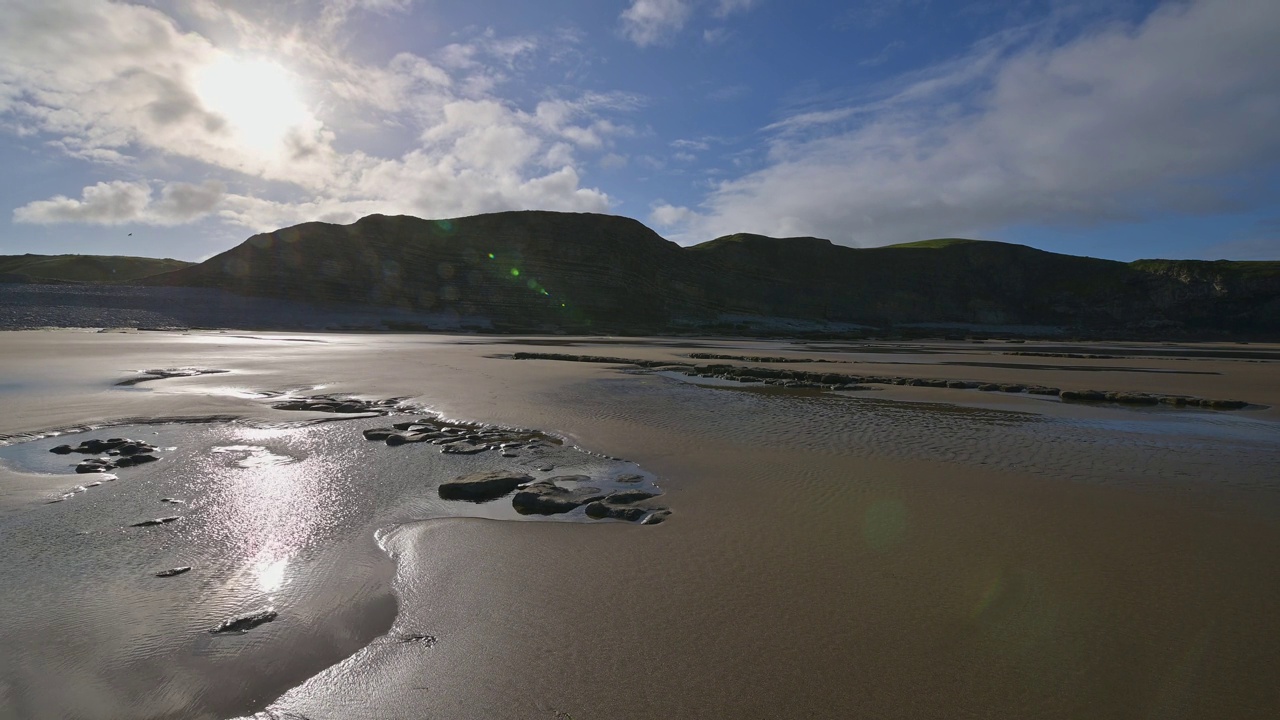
[543,271]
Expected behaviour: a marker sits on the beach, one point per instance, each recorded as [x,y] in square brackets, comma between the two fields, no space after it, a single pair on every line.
[894,551]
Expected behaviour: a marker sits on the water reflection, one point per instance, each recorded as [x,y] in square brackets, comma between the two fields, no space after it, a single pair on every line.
[271,575]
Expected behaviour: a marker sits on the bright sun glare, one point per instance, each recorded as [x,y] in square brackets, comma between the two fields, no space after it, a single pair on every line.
[258,98]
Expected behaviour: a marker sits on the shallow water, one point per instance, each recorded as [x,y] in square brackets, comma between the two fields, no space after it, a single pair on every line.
[270,517]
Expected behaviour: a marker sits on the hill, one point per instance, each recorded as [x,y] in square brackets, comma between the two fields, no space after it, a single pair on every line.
[539,271]
[83,268]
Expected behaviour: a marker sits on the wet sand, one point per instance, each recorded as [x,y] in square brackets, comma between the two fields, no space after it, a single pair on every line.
[912,552]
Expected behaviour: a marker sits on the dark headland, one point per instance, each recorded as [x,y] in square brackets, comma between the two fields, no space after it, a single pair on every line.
[534,271]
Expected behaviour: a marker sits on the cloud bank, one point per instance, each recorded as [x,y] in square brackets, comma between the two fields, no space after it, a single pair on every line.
[1116,123]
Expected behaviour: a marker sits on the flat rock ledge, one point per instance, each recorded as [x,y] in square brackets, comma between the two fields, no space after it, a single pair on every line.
[482,487]
[800,379]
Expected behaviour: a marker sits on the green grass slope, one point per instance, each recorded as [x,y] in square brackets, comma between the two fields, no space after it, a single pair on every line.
[86,268]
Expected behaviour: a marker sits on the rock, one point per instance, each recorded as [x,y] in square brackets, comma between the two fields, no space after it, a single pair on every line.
[463,448]
[483,486]
[93,466]
[988,387]
[1225,404]
[546,498]
[62,450]
[173,571]
[172,501]
[601,510]
[94,484]
[427,640]
[140,459]
[960,385]
[157,521]
[656,517]
[628,479]
[245,623]
[1082,395]
[1135,399]
[626,497]
[1013,388]
[378,433]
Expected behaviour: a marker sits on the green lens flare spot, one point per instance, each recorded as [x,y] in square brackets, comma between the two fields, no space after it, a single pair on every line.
[490,256]
[515,272]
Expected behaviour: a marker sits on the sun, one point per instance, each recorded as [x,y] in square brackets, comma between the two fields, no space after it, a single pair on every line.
[258,98]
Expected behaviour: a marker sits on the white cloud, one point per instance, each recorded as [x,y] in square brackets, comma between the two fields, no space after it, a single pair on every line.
[667,215]
[725,8]
[650,22]
[654,22]
[1116,123]
[119,202]
[126,85]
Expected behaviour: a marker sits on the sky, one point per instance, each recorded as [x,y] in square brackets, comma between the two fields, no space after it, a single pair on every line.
[1120,129]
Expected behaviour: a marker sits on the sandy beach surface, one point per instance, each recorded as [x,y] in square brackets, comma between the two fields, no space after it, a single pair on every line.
[896,552]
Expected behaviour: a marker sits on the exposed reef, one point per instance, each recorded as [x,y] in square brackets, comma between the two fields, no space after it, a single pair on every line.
[800,379]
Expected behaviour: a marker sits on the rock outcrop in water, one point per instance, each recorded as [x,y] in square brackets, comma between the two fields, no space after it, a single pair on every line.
[245,623]
[585,272]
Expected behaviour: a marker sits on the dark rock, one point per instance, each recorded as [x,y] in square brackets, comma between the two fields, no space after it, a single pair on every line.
[1013,388]
[601,510]
[62,450]
[173,571]
[1082,396]
[157,521]
[483,486]
[626,497]
[245,623]
[988,387]
[140,459]
[656,517]
[378,433]
[427,640]
[463,448]
[1226,404]
[546,498]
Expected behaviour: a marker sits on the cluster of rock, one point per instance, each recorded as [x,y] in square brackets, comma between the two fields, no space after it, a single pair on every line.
[1130,398]
[459,438]
[338,404]
[161,374]
[758,358]
[1073,356]
[554,496]
[549,496]
[119,453]
[801,379]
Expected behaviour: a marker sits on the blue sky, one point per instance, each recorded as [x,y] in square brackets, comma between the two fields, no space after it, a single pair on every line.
[1118,129]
